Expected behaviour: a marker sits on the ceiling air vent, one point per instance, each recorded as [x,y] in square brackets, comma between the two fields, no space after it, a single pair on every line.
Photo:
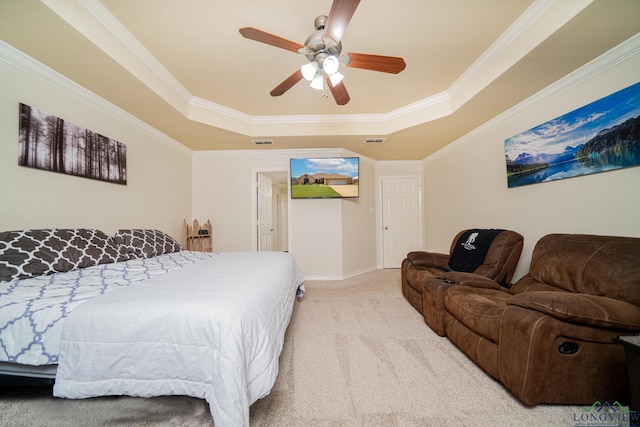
[262,141]
[374,140]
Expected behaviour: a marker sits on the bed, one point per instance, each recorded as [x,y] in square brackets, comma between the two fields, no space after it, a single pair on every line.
[133,314]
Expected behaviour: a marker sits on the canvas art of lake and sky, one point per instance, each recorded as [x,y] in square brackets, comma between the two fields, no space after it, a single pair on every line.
[598,137]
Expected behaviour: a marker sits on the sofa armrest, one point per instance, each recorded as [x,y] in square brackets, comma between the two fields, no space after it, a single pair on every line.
[582,309]
[471,279]
[428,259]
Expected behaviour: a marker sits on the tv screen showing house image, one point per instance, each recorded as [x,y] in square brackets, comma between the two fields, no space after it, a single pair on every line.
[324,178]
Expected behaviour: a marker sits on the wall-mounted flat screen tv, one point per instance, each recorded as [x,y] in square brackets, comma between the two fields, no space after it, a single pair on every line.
[325,178]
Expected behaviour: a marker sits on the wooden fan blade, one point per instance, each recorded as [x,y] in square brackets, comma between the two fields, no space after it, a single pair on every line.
[287,84]
[385,64]
[339,17]
[339,92]
[268,38]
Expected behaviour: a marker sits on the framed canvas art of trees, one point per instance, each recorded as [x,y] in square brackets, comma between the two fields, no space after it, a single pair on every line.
[50,143]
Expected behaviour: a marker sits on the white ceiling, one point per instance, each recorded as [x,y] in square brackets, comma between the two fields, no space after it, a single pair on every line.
[183,67]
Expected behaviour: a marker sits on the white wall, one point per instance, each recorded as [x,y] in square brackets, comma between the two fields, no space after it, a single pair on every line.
[330,239]
[158,190]
[359,224]
[605,203]
[221,192]
[316,228]
[167,183]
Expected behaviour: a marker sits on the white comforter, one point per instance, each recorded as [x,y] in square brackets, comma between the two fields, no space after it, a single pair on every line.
[212,330]
[32,311]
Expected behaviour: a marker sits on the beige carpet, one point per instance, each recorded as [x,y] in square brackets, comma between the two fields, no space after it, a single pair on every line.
[356,354]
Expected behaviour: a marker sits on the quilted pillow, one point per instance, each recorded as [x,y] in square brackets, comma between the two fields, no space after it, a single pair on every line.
[145,243]
[30,253]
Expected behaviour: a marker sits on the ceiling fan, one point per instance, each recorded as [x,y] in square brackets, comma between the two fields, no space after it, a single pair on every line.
[323,49]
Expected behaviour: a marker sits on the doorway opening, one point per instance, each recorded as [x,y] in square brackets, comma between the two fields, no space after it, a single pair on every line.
[270,199]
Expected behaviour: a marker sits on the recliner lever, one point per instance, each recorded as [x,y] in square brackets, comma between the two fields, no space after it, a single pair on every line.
[568,347]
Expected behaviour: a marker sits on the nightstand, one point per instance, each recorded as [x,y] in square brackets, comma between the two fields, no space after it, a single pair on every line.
[198,237]
[631,345]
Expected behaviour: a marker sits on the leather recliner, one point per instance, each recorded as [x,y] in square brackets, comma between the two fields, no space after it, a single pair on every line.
[549,338]
[425,275]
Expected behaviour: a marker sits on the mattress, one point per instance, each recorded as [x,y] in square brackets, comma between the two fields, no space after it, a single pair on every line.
[205,325]
[213,330]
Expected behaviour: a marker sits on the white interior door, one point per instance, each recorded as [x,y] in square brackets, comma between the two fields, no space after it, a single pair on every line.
[265,213]
[401,224]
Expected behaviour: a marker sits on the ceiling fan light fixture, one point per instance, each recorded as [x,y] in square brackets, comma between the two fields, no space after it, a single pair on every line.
[336,78]
[330,65]
[323,50]
[309,70]
[318,82]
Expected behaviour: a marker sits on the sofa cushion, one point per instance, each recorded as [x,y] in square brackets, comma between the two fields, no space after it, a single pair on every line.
[30,253]
[479,309]
[528,284]
[502,257]
[582,309]
[417,277]
[596,265]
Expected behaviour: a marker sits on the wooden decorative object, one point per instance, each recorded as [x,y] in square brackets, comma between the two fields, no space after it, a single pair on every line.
[198,237]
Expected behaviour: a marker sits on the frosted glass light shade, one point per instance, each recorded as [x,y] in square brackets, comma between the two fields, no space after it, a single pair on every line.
[318,82]
[309,70]
[331,65]
[336,78]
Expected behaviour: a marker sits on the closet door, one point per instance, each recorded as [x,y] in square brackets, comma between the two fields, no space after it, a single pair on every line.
[401,212]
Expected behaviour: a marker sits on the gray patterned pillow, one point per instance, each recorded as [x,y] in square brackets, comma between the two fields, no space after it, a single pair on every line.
[145,243]
[29,253]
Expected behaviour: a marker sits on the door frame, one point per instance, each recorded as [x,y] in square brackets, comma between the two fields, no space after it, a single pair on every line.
[266,207]
[254,203]
[380,208]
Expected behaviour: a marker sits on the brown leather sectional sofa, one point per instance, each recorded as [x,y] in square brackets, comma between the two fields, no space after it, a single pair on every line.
[549,338]
[425,275]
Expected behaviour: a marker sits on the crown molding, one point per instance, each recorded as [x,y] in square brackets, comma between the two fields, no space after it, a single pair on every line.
[300,152]
[243,154]
[536,24]
[39,71]
[94,21]
[625,51]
